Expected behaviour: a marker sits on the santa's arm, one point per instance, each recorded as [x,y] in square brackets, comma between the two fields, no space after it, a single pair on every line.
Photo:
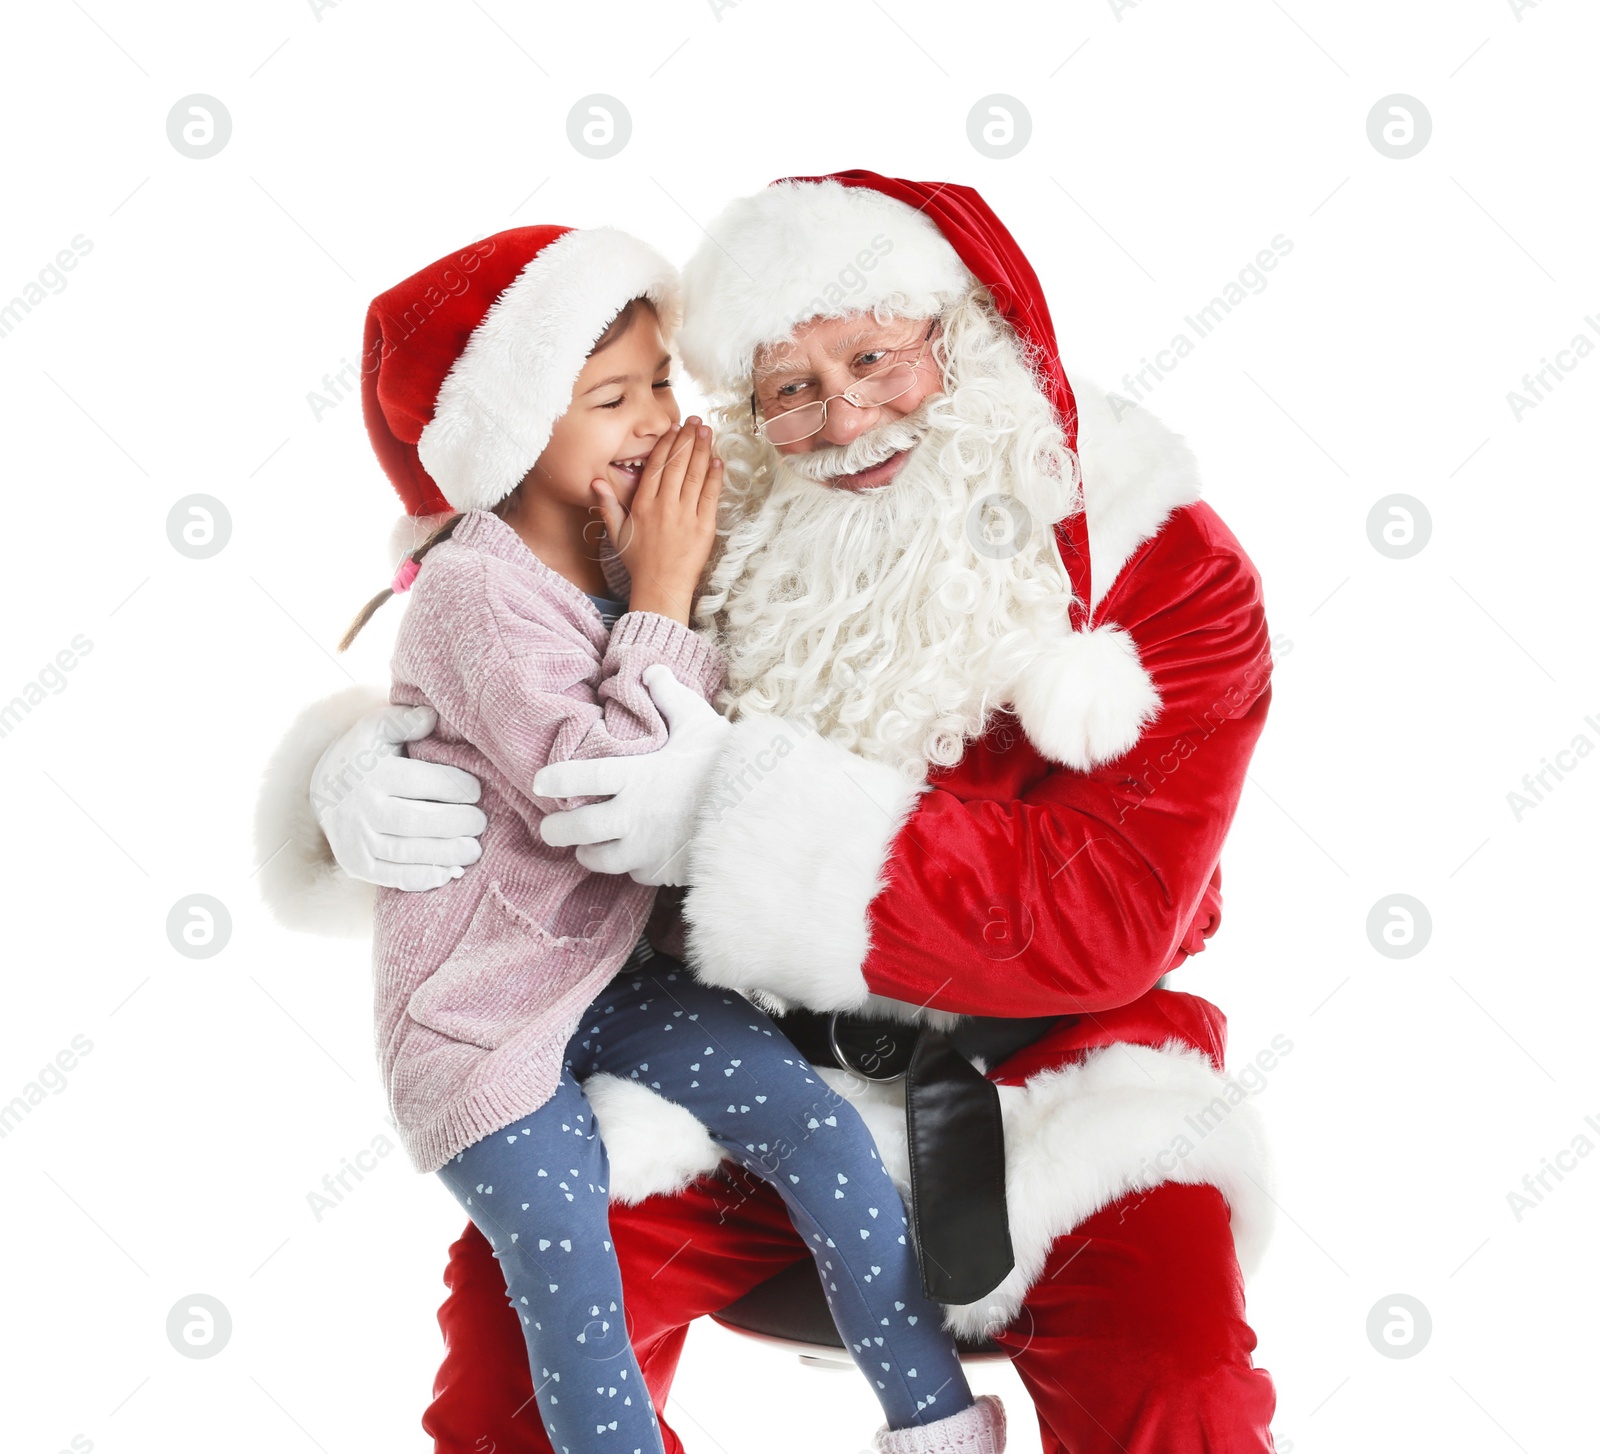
[303,884]
[823,880]
[341,810]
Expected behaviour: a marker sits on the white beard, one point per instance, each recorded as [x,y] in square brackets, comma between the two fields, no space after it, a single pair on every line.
[894,620]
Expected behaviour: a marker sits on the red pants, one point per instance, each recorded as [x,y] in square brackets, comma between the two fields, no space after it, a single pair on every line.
[1132,1341]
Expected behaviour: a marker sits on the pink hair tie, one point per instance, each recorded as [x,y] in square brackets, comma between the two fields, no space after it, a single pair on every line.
[404,576]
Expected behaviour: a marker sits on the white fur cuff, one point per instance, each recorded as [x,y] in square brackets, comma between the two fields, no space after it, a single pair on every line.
[655,1147]
[302,885]
[793,840]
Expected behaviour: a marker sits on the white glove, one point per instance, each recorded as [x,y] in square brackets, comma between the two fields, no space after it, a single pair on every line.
[645,826]
[393,820]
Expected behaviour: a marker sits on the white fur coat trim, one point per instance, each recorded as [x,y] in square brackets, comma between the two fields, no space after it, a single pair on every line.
[1078,1138]
[791,848]
[1136,472]
[654,1146]
[302,885]
[514,379]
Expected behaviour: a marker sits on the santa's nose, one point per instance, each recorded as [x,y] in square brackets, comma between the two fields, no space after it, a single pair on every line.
[847,421]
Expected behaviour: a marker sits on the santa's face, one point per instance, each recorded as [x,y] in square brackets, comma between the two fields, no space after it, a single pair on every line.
[859,446]
[893,618]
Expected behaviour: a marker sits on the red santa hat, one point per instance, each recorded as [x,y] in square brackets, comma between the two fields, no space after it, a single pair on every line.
[468,363]
[826,247]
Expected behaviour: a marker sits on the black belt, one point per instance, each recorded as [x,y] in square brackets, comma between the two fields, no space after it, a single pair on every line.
[954,1131]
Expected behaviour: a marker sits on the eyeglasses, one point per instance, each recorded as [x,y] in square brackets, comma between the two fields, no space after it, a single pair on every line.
[870,391]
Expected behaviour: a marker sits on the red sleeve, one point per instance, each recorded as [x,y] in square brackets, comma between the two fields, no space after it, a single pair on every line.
[1077,890]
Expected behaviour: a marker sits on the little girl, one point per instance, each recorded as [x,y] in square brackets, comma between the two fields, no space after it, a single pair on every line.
[526,391]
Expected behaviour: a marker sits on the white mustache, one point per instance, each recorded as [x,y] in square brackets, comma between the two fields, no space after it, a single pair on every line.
[876,445]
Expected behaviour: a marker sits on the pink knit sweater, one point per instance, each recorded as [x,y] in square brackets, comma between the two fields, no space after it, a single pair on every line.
[480,984]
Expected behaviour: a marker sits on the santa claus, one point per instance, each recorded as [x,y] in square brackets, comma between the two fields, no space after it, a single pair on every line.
[995,674]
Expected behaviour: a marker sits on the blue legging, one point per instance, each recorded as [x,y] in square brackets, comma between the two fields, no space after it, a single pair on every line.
[537,1191]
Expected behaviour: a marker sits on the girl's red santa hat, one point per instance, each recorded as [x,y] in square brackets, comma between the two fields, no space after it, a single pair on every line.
[853,242]
[468,363]
[467,366]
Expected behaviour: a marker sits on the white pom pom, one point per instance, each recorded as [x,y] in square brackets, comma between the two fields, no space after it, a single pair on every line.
[1086,698]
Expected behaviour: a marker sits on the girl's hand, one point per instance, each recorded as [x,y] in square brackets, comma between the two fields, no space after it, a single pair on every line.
[665,536]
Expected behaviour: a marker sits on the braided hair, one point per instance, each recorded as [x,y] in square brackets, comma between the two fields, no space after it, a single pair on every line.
[402,579]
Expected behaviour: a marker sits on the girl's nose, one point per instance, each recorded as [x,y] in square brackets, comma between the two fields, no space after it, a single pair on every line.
[663,415]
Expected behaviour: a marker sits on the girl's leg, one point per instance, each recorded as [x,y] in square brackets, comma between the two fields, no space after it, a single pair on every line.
[537,1191]
[681,1256]
[714,1053]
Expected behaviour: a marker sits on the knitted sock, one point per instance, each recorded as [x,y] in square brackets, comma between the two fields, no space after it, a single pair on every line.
[980,1429]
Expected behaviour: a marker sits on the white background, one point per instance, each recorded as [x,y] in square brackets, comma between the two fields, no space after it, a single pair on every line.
[1170,143]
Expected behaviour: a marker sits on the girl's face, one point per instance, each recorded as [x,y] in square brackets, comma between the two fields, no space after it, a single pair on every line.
[621,404]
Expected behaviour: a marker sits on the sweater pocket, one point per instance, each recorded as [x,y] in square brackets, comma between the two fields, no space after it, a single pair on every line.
[504,973]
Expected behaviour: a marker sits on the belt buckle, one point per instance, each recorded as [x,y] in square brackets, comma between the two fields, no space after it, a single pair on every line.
[884,1061]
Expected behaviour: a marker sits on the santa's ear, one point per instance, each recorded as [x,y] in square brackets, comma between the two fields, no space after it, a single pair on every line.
[1086,697]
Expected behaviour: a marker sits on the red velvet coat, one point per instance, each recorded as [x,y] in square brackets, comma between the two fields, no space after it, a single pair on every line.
[1054,869]
[1021,887]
